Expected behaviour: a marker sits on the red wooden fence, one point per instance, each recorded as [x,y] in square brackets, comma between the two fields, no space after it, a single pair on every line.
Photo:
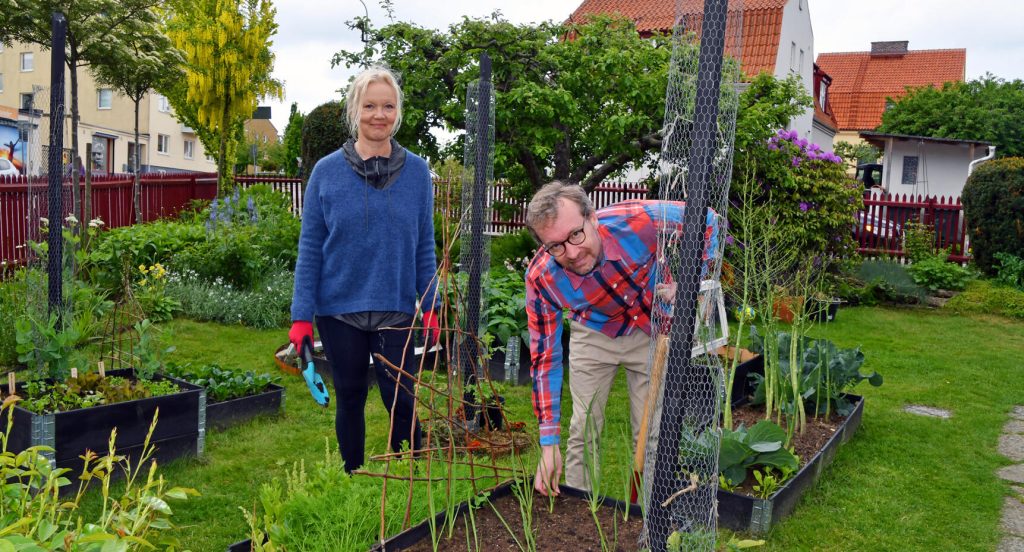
[893,212]
[23,201]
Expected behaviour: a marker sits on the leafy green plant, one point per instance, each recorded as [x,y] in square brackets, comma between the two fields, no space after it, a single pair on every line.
[505,309]
[149,352]
[1011,270]
[745,449]
[35,517]
[265,306]
[823,371]
[151,293]
[767,483]
[49,351]
[935,273]
[918,241]
[139,244]
[222,385]
[887,280]
[324,130]
[89,389]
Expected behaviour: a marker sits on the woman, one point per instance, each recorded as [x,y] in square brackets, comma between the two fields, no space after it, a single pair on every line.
[366,254]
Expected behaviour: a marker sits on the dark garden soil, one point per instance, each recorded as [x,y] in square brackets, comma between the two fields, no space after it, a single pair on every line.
[569,527]
[816,433]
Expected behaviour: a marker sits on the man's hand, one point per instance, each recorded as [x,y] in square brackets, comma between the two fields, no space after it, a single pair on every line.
[549,471]
[431,329]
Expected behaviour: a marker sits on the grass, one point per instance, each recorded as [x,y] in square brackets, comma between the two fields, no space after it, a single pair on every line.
[903,482]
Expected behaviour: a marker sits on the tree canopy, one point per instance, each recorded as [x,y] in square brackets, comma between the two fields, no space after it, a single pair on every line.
[987,109]
[228,68]
[575,102]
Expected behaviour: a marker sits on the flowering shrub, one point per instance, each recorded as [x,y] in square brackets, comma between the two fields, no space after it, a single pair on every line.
[266,305]
[151,294]
[807,193]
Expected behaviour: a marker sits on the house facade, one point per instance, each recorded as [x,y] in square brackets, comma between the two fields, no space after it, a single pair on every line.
[920,165]
[776,37]
[864,82]
[106,121]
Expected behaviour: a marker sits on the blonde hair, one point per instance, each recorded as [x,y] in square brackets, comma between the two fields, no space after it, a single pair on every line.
[358,86]
[543,208]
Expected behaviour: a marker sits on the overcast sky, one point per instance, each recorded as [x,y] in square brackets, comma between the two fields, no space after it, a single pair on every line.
[311,31]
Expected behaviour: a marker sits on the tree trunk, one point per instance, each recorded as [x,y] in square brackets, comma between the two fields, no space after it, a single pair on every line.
[137,187]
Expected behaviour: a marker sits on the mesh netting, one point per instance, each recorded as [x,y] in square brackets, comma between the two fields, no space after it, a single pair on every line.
[680,448]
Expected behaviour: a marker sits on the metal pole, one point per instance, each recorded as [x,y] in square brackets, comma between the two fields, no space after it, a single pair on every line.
[476,243]
[682,375]
[59,25]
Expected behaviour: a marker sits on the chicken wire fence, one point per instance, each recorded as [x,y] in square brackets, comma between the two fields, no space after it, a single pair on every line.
[680,460]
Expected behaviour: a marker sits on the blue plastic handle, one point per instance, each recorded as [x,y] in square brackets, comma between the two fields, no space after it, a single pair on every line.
[313,380]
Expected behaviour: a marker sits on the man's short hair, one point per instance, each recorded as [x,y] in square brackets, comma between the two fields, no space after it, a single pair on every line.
[543,208]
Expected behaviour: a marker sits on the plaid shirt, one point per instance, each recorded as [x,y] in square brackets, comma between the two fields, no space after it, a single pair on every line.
[615,298]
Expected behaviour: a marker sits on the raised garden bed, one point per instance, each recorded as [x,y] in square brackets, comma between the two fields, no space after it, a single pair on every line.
[743,512]
[569,526]
[179,430]
[224,414]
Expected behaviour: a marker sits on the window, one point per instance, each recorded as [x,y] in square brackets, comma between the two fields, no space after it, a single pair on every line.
[25,102]
[133,150]
[792,56]
[823,96]
[162,143]
[105,98]
[26,61]
[162,104]
[909,170]
[800,4]
[801,69]
[190,147]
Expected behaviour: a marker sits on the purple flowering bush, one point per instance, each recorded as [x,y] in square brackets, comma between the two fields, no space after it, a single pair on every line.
[807,192]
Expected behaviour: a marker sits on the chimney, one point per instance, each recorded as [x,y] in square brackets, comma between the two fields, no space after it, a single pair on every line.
[890,48]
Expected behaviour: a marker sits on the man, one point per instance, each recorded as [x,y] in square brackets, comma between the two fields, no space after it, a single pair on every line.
[601,265]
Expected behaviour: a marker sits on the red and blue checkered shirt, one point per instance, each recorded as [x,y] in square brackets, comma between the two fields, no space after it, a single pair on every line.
[614,299]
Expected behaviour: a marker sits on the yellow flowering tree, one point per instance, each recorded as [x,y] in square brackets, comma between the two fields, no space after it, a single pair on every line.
[228,68]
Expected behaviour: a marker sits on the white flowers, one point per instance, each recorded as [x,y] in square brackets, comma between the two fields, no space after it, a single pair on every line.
[96,222]
[43,221]
[71,219]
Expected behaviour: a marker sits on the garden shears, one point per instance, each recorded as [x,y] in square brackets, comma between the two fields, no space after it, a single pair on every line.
[313,380]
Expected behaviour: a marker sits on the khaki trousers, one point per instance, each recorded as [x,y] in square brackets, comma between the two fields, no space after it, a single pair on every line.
[594,359]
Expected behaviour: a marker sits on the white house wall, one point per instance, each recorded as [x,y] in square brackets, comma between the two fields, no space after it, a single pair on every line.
[796,29]
[942,168]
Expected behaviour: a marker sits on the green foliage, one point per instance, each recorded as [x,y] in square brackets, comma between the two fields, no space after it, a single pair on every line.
[1011,270]
[132,246]
[510,250]
[745,449]
[765,106]
[766,485]
[89,389]
[293,141]
[935,272]
[35,517]
[576,110]
[988,108]
[918,241]
[149,352]
[988,297]
[993,201]
[887,280]
[50,352]
[324,130]
[859,153]
[220,384]
[266,305]
[13,301]
[825,373]
[505,308]
[323,509]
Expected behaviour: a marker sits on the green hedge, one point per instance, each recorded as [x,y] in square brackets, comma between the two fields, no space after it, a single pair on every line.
[993,201]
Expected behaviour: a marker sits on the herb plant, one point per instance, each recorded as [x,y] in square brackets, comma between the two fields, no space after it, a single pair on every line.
[935,273]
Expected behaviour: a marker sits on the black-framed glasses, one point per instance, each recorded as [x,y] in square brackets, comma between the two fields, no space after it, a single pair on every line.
[576,237]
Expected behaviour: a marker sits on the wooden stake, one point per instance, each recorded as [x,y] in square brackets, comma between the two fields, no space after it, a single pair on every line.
[11,383]
[657,373]
[101,368]
[74,373]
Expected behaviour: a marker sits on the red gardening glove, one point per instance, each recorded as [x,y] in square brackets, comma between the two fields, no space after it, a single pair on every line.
[431,329]
[300,329]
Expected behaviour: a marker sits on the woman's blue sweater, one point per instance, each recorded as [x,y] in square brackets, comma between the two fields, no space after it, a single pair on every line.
[364,249]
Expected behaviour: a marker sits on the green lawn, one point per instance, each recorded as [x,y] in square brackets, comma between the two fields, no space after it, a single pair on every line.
[903,483]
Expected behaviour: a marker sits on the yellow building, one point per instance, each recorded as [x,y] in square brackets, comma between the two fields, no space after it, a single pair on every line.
[106,120]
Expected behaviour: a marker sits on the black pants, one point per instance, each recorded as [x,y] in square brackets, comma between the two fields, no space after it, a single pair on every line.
[348,350]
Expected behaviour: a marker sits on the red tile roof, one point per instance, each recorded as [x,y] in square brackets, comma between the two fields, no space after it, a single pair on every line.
[861,81]
[762,24]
